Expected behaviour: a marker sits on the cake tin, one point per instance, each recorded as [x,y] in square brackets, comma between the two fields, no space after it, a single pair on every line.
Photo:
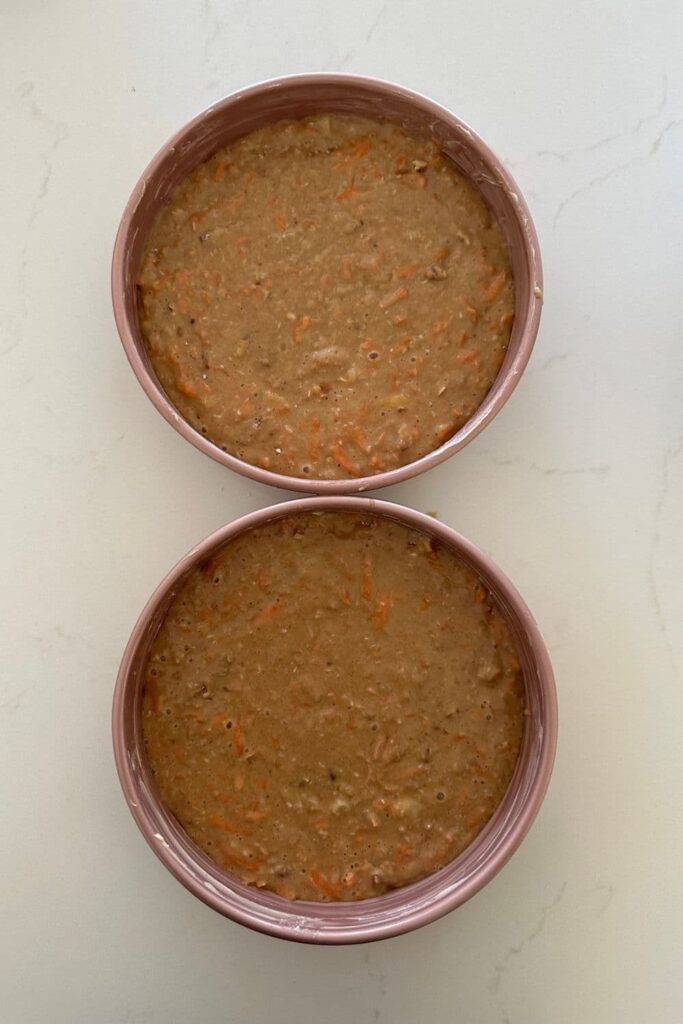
[389,914]
[298,96]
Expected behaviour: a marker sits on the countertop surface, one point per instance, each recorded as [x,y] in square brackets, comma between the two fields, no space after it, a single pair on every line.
[576,490]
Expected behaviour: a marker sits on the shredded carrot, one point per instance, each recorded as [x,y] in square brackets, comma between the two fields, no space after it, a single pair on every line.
[360,149]
[299,328]
[345,596]
[472,313]
[154,696]
[366,583]
[470,355]
[401,347]
[347,193]
[359,437]
[400,318]
[408,271]
[187,389]
[238,734]
[280,222]
[251,291]
[267,613]
[330,889]
[382,612]
[263,578]
[216,821]
[495,288]
[342,458]
[315,443]
[390,300]
[439,327]
[256,815]
[346,267]
[480,594]
[219,173]
[413,179]
[239,861]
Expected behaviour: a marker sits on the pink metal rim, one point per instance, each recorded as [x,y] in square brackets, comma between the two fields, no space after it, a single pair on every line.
[470,153]
[396,912]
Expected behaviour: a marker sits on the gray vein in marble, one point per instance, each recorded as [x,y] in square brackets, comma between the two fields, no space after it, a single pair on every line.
[602,469]
[632,130]
[514,951]
[664,132]
[609,892]
[588,185]
[380,978]
[337,63]
[11,702]
[670,456]
[617,169]
[550,362]
[214,29]
[379,17]
[59,132]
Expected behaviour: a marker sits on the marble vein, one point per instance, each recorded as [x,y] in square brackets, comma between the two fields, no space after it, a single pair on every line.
[381,979]
[599,179]
[58,132]
[550,362]
[601,469]
[662,135]
[514,951]
[214,29]
[337,63]
[671,454]
[564,156]
[609,892]
[11,702]
[379,17]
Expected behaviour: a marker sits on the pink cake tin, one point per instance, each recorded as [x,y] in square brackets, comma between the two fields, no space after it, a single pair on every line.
[298,96]
[390,914]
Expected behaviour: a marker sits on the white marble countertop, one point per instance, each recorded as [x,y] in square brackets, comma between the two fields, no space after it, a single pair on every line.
[576,489]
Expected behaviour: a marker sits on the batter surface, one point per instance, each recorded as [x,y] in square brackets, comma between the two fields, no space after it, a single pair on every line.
[333,706]
[327,298]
